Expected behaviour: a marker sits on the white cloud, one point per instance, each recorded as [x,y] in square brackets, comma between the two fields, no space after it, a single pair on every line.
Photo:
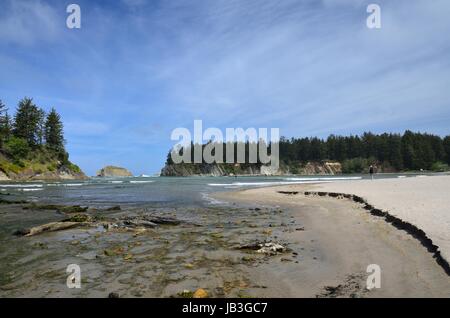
[28,22]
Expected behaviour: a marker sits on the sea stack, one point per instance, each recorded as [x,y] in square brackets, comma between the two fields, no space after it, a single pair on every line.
[112,171]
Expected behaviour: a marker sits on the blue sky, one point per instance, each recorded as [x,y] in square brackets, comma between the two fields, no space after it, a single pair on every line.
[138,69]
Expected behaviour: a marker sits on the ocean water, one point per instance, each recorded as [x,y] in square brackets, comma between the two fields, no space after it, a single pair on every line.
[152,191]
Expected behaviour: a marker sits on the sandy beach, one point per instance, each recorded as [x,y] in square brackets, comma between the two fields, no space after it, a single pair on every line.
[285,241]
[422,201]
[343,238]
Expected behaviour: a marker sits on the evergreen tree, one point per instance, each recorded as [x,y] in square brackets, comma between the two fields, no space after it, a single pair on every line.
[54,135]
[5,127]
[41,127]
[446,144]
[27,121]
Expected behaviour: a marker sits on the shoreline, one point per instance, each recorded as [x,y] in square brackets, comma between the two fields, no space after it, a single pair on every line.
[256,243]
[380,234]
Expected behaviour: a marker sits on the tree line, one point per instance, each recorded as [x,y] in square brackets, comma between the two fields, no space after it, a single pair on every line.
[388,151]
[407,151]
[31,129]
[245,153]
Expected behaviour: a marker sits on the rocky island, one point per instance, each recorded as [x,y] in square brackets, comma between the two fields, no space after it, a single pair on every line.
[113,171]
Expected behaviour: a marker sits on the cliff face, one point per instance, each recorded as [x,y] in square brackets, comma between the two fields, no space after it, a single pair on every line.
[112,171]
[319,168]
[216,170]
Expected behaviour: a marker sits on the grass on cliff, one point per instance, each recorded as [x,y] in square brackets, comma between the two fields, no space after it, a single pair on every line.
[39,160]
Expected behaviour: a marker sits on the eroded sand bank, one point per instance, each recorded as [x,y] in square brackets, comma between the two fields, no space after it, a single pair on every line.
[422,201]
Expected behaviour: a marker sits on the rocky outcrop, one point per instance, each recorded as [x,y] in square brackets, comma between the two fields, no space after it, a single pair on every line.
[217,170]
[4,176]
[112,171]
[320,168]
[28,173]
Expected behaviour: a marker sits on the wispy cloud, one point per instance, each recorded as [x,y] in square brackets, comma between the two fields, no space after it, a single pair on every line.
[28,22]
[138,69]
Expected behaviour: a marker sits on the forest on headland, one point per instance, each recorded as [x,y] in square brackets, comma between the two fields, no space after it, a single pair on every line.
[388,152]
[32,142]
[410,151]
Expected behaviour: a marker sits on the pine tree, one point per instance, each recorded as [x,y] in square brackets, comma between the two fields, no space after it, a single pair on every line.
[5,129]
[54,135]
[446,144]
[26,122]
[41,127]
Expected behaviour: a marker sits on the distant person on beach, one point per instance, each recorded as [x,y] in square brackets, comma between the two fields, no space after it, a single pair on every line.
[371,171]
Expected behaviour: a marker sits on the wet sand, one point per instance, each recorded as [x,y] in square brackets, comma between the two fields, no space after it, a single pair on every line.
[423,201]
[340,239]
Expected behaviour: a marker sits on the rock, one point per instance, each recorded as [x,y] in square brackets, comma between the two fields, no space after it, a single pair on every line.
[139,223]
[165,220]
[271,248]
[219,291]
[128,257]
[50,227]
[186,294]
[60,208]
[200,293]
[3,176]
[2,201]
[248,259]
[112,171]
[79,218]
[114,208]
[113,295]
[268,248]
[139,231]
[288,192]
[114,251]
[21,232]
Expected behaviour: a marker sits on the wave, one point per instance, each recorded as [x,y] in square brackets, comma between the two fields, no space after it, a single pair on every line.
[269,183]
[322,178]
[21,185]
[136,181]
[210,200]
[30,189]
